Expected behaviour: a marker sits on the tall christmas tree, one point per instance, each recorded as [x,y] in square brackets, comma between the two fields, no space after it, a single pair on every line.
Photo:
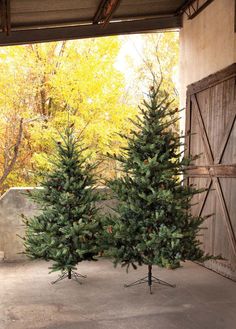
[152,223]
[68,227]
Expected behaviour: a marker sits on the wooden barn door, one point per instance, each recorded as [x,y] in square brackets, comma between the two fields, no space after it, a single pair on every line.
[211,120]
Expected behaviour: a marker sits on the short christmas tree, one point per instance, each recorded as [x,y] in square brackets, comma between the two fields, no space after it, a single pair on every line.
[152,223]
[67,228]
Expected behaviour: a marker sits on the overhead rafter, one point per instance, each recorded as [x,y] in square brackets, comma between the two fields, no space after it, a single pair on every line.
[194,7]
[31,22]
[105,11]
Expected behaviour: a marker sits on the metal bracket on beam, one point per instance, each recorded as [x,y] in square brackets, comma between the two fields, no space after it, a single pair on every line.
[194,7]
[5,9]
[105,11]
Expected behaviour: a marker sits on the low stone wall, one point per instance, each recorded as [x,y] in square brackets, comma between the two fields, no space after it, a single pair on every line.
[13,204]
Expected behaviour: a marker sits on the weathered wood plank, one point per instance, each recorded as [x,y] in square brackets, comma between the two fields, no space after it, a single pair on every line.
[219,170]
[204,135]
[225,214]
[204,198]
[212,80]
[228,187]
[226,137]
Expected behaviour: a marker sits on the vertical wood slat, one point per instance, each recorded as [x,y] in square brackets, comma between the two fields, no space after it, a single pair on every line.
[226,135]
[188,132]
[188,126]
[225,213]
[204,135]
[204,198]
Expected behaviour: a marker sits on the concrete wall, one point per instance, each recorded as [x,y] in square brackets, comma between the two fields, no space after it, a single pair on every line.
[12,204]
[207,43]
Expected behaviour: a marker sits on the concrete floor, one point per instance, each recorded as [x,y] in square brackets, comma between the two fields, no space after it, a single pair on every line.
[201,300]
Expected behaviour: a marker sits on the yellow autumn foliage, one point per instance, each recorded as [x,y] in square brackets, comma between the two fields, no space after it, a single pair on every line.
[51,85]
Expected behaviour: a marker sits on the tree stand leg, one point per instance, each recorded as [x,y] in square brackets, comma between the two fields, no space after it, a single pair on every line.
[69,275]
[150,279]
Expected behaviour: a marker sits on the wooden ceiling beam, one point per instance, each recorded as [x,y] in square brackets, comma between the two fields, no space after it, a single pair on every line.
[89,31]
[105,11]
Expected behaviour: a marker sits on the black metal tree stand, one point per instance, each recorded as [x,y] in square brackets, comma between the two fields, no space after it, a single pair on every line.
[70,275]
[150,279]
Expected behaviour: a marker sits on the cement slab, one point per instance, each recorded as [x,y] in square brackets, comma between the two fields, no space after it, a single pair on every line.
[201,300]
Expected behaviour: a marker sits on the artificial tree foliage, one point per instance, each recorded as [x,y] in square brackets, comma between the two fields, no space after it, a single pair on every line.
[152,223]
[67,228]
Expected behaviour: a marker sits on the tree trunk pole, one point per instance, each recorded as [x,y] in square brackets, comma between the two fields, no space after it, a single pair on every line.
[69,273]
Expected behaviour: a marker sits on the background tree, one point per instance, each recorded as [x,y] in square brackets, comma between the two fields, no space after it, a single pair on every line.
[93,79]
[68,227]
[47,81]
[153,224]
[12,128]
[10,149]
[152,53]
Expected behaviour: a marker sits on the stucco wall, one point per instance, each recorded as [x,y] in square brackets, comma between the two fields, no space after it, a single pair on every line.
[12,204]
[207,43]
